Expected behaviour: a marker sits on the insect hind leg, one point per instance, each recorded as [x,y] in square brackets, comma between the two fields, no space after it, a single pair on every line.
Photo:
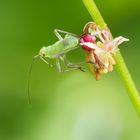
[71,66]
[57,33]
[59,68]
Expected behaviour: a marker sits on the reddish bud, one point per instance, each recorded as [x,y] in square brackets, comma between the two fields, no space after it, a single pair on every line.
[87,38]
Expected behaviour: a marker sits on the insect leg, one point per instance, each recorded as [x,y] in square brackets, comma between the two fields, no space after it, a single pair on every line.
[57,33]
[44,60]
[70,65]
[58,66]
[70,69]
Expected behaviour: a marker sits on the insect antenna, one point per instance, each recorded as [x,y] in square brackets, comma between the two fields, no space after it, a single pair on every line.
[30,71]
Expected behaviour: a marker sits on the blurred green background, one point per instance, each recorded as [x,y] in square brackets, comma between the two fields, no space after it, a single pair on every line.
[66,106]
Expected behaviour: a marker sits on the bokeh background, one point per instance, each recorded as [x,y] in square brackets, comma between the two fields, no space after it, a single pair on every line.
[66,106]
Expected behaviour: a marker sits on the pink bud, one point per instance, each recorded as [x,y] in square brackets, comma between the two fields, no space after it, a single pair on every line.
[87,38]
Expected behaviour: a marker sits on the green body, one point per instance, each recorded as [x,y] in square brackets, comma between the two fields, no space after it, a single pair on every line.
[60,47]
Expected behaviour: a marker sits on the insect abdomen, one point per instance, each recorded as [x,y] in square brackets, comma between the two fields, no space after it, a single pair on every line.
[62,46]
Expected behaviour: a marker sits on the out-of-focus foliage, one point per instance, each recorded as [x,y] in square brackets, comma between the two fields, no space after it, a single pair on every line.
[67,106]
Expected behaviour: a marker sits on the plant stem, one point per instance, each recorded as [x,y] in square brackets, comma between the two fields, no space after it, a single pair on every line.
[120,64]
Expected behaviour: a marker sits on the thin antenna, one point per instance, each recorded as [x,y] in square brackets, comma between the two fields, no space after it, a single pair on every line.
[30,71]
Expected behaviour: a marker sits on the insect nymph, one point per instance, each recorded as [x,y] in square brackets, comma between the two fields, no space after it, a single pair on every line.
[58,51]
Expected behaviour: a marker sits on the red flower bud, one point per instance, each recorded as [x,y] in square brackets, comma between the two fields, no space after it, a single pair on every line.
[87,38]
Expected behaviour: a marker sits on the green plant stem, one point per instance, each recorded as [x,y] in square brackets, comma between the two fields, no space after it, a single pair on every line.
[120,64]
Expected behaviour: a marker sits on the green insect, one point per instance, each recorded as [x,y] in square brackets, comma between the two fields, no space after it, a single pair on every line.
[58,52]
